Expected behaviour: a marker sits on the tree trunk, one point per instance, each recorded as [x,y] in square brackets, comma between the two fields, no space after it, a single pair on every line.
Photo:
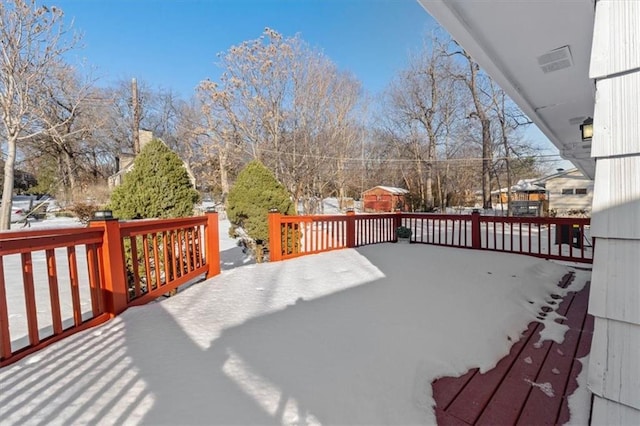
[7,188]
[224,173]
[486,164]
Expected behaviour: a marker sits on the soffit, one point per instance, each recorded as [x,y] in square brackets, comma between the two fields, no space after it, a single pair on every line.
[507,37]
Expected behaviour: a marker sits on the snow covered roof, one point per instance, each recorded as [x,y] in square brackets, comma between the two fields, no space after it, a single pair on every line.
[558,174]
[523,185]
[391,189]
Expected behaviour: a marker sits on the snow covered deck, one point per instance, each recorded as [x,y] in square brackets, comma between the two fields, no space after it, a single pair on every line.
[532,385]
[353,336]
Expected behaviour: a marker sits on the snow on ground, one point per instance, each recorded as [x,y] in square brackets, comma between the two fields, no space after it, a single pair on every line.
[353,336]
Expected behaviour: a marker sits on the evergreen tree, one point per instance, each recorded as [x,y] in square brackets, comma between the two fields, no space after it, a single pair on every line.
[254,193]
[157,187]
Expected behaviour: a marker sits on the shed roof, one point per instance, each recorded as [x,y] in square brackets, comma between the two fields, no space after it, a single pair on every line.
[390,189]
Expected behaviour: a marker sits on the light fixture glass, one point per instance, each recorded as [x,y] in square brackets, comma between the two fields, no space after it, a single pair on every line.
[586,129]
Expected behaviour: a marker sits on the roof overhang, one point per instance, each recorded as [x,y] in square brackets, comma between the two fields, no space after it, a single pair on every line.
[539,53]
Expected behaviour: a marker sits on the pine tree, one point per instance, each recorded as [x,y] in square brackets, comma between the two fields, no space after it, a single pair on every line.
[157,187]
[254,193]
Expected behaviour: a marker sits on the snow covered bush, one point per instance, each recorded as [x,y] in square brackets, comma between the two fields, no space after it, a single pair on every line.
[254,193]
[157,187]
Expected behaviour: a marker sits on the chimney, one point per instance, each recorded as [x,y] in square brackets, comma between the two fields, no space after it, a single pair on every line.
[145,137]
[560,170]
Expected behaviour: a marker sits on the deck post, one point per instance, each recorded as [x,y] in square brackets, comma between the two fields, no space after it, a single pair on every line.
[475,230]
[397,222]
[275,236]
[212,245]
[351,228]
[113,274]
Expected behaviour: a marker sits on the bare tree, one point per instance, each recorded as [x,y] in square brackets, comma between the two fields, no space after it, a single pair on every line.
[286,104]
[421,101]
[33,41]
[472,79]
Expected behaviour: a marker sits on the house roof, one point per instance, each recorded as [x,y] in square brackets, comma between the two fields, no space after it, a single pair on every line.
[391,189]
[523,185]
[560,173]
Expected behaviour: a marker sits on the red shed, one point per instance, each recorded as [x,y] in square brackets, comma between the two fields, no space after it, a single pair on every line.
[384,199]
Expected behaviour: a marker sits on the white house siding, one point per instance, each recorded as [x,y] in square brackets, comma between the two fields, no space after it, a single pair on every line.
[563,203]
[614,364]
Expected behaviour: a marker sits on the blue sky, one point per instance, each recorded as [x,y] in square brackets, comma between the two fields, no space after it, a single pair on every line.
[173,44]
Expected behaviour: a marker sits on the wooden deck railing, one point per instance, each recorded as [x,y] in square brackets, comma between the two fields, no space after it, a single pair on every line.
[293,236]
[550,238]
[62,281]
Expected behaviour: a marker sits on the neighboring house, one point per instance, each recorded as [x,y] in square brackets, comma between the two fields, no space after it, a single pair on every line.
[524,190]
[565,193]
[384,199]
[528,198]
[127,160]
[569,193]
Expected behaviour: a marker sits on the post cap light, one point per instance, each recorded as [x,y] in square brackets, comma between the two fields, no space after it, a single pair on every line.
[103,214]
[586,129]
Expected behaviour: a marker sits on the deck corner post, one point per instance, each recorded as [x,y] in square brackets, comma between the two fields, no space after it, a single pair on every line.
[212,245]
[113,274]
[475,230]
[351,228]
[275,236]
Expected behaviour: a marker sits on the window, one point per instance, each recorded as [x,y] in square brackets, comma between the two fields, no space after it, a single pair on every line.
[567,191]
[581,191]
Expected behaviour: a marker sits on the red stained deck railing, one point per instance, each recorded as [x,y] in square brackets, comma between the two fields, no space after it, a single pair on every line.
[550,238]
[293,236]
[74,278]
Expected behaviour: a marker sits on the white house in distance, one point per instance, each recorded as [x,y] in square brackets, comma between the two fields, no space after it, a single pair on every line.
[565,63]
[569,193]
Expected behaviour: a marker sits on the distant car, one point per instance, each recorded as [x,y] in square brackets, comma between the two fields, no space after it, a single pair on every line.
[18,214]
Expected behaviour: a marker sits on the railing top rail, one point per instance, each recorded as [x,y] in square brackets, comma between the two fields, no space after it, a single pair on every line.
[29,233]
[540,220]
[310,218]
[146,226]
[45,241]
[437,216]
[376,216]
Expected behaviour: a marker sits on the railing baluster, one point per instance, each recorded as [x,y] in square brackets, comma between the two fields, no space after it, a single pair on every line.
[5,339]
[54,294]
[167,259]
[194,252]
[147,262]
[75,285]
[135,265]
[156,259]
[30,298]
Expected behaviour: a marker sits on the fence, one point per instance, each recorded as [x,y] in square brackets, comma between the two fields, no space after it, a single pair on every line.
[71,279]
[550,238]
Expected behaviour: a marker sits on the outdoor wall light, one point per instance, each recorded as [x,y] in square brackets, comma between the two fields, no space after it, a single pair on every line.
[586,129]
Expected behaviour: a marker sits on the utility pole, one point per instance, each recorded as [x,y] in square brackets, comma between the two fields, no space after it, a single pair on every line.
[135,104]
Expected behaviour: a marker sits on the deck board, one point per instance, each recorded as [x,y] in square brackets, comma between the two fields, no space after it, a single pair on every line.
[528,386]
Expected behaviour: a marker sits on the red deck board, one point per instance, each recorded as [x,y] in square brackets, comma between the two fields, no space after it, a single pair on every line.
[505,395]
[539,407]
[505,405]
[473,399]
[447,388]
[445,419]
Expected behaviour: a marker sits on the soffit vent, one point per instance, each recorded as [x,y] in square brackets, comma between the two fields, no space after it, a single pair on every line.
[555,60]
